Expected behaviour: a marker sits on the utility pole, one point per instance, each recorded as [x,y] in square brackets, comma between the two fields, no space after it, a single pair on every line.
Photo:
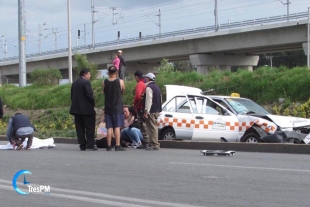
[2,39]
[288,8]
[159,23]
[40,38]
[216,16]
[93,22]
[6,49]
[22,38]
[69,43]
[54,31]
[84,34]
[114,14]
[308,38]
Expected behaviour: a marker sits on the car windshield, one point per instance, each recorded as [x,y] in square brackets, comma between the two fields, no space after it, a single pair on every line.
[246,106]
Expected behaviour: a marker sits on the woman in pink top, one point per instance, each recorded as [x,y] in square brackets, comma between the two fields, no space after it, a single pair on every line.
[116,61]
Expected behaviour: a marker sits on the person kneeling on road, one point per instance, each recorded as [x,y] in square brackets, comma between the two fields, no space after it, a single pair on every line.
[19,128]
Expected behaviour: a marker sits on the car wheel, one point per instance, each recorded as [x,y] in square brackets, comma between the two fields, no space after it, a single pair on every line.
[168,134]
[252,138]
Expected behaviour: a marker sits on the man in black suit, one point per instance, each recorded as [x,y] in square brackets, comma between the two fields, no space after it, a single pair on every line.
[82,108]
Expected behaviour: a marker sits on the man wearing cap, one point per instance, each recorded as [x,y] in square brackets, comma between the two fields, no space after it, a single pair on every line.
[113,89]
[138,103]
[152,108]
[122,65]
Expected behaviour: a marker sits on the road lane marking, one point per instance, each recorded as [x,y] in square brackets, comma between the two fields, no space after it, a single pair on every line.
[237,166]
[108,196]
[80,198]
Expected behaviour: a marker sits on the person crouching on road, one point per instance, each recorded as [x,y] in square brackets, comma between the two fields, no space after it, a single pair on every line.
[19,128]
[152,108]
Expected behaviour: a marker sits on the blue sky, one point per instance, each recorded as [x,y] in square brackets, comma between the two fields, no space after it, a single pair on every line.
[133,16]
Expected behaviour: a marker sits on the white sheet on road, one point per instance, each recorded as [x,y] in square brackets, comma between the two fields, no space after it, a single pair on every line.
[36,144]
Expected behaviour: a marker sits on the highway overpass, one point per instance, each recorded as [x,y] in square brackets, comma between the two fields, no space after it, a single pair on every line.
[229,46]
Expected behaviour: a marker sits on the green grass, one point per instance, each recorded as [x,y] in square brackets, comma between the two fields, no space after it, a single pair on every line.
[264,86]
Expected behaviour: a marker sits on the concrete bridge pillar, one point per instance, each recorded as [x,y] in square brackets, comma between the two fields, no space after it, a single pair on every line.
[305,47]
[205,62]
[247,68]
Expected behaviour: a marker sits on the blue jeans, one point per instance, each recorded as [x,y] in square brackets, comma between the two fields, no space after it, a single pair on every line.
[133,134]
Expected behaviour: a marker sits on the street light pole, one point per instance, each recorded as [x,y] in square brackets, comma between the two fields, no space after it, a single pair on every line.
[69,44]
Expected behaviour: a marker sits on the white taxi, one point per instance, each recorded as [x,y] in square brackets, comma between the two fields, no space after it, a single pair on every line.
[189,115]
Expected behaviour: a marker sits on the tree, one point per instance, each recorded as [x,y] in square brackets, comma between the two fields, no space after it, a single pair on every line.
[184,66]
[82,62]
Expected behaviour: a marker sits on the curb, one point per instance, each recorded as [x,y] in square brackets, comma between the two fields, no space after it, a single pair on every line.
[235,146]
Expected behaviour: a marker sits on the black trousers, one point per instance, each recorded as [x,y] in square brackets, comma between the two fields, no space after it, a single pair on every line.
[85,130]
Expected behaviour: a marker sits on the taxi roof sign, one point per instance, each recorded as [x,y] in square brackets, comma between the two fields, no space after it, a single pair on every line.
[237,95]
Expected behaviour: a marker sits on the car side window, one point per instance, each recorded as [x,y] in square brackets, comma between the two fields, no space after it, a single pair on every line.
[203,105]
[177,104]
[222,103]
[184,108]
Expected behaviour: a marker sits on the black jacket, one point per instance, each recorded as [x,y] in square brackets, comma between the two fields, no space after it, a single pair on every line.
[122,62]
[82,98]
[20,121]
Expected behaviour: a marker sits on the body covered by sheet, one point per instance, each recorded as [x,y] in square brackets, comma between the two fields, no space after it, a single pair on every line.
[36,144]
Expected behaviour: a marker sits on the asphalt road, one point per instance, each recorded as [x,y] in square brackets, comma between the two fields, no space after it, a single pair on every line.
[168,177]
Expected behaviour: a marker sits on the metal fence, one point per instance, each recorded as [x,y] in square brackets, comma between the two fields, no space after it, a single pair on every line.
[179,33]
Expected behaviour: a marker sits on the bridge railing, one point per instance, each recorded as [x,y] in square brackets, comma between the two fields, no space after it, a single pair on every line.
[246,23]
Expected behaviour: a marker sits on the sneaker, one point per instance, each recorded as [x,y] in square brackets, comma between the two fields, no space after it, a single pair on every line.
[151,148]
[109,148]
[20,147]
[119,148]
[135,145]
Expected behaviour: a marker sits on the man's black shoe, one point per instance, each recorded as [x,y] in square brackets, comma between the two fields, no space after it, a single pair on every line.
[119,148]
[151,148]
[109,148]
[143,146]
[82,149]
[94,148]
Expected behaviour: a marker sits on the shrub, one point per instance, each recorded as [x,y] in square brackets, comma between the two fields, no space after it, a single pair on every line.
[82,62]
[43,77]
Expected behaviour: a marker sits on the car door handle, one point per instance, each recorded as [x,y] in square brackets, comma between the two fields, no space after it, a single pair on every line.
[198,117]
[168,115]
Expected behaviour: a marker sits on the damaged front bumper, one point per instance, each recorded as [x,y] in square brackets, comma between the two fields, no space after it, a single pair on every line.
[285,137]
